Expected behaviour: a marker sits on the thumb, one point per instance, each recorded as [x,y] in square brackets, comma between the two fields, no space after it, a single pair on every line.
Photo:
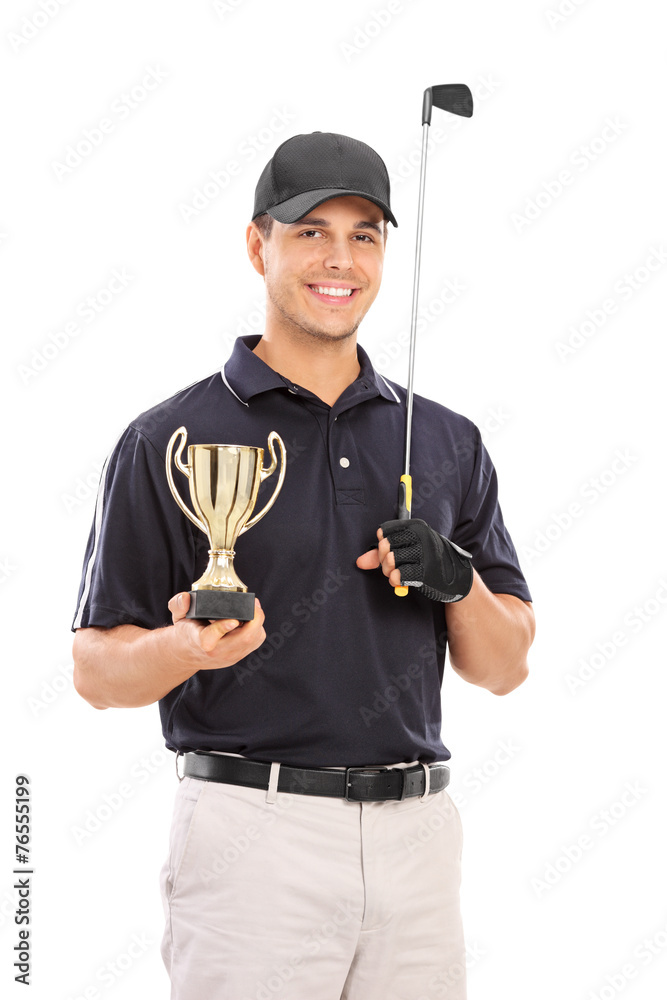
[178,605]
[369,560]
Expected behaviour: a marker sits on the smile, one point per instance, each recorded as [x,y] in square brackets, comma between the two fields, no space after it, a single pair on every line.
[332,293]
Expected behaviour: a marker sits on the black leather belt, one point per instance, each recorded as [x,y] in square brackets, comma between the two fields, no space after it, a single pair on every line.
[356,784]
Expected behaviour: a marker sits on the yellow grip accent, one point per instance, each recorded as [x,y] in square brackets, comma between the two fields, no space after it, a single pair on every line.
[403,591]
[408,491]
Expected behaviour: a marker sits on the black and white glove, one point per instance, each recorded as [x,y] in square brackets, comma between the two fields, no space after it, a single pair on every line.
[429,562]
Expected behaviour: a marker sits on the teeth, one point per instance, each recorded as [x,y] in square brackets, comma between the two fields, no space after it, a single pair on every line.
[323,290]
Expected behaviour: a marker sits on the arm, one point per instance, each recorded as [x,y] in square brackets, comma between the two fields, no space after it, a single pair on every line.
[489,636]
[128,666]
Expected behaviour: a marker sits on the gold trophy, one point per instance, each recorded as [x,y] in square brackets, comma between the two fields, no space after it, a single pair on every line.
[224,482]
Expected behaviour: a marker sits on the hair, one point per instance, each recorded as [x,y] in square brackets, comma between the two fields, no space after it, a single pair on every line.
[264,223]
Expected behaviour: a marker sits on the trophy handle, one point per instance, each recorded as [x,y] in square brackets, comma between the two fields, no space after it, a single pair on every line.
[265,473]
[186,472]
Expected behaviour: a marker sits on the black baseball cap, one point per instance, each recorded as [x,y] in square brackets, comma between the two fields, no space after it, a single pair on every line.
[311,168]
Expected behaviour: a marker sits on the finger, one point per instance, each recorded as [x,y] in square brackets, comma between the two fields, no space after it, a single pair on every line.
[211,634]
[380,533]
[247,637]
[237,634]
[388,564]
[395,578]
[369,560]
[384,548]
[178,605]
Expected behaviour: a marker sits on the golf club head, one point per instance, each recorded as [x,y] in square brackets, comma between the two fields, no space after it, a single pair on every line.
[453,97]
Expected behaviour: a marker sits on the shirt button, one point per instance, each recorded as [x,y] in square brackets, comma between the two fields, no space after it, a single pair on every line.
[345,462]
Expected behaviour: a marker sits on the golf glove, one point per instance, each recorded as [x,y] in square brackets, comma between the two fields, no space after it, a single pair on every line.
[434,566]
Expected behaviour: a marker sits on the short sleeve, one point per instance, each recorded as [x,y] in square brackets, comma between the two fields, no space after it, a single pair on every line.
[481,529]
[140,549]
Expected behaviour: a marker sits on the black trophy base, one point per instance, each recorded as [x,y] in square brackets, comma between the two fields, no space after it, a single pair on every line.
[217,604]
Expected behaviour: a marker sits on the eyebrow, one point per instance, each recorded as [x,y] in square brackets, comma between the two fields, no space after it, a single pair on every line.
[311,221]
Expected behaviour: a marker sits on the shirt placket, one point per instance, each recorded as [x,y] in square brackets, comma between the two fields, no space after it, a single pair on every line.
[344,461]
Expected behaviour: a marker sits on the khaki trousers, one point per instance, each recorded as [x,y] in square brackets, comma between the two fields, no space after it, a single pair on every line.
[281,896]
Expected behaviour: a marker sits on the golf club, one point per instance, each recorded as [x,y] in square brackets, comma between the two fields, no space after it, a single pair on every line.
[457,99]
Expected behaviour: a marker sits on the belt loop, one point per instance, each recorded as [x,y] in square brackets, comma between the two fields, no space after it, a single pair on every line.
[427,781]
[180,777]
[272,790]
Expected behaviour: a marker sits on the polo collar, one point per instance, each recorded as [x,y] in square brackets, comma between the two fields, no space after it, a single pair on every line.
[246,375]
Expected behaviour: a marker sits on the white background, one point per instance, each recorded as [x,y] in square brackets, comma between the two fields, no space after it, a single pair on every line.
[577,438]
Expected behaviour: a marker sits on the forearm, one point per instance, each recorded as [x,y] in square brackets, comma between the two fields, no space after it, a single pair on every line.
[126,666]
[489,636]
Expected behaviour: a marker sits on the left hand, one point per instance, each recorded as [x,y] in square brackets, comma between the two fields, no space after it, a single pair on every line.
[431,563]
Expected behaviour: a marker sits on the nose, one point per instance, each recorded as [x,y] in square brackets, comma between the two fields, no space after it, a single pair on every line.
[338,254]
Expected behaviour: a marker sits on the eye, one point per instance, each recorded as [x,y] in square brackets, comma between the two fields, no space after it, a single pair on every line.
[365,236]
[306,232]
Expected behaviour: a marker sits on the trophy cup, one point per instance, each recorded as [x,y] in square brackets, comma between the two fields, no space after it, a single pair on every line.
[224,482]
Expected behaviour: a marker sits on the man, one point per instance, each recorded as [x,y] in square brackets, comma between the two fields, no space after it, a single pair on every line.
[298,864]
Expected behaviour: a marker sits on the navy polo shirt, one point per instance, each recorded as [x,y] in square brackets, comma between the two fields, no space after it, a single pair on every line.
[349,673]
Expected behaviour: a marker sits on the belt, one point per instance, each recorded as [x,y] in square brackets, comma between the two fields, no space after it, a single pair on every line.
[356,784]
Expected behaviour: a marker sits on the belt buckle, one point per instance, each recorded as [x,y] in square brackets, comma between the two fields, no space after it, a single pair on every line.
[374,770]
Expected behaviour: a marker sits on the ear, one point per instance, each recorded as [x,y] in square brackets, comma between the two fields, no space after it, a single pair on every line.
[255,248]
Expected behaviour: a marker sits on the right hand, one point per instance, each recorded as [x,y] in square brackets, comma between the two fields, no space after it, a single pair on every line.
[220,643]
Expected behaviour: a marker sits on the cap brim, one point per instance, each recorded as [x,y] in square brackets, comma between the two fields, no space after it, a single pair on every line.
[295,208]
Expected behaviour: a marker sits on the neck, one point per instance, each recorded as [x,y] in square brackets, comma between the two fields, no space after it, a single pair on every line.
[323,367]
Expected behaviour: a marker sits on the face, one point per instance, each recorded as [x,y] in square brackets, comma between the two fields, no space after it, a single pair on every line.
[323,272]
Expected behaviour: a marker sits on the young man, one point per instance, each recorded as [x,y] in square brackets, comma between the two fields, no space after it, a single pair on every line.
[311,735]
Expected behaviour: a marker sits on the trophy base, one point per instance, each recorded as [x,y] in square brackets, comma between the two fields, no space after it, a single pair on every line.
[217,604]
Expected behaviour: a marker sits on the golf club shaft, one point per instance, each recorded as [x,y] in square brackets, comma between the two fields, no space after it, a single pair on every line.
[415,299]
[405,485]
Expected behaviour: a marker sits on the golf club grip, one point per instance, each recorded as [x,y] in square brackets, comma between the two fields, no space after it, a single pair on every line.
[404,509]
